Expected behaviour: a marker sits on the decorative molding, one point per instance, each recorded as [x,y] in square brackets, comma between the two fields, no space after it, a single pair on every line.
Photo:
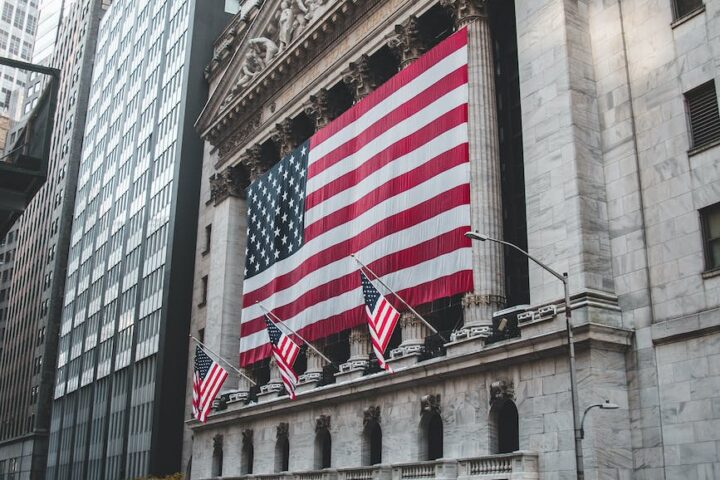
[318,108]
[217,444]
[283,430]
[322,423]
[475,299]
[359,78]
[466,11]
[231,182]
[285,138]
[430,404]
[501,390]
[238,138]
[247,436]
[370,415]
[405,42]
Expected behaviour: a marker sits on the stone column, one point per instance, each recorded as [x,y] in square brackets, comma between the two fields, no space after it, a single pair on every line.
[226,257]
[485,190]
[413,333]
[405,42]
[359,354]
[274,385]
[359,78]
[318,108]
[314,371]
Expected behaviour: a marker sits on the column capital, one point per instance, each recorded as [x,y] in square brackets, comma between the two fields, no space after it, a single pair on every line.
[285,136]
[470,300]
[359,78]
[230,182]
[318,108]
[406,42]
[252,159]
[466,11]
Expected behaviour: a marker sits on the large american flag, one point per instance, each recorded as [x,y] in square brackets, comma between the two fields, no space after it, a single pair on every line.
[207,380]
[382,318]
[389,181]
[285,352]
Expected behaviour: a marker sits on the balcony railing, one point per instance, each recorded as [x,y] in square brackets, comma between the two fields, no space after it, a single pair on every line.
[508,466]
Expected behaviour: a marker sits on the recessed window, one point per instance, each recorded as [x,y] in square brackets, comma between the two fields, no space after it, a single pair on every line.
[685,7]
[203,291]
[208,237]
[710,217]
[702,108]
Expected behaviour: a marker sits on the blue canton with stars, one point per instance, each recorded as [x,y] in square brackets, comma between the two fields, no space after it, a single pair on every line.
[370,292]
[202,362]
[273,331]
[276,211]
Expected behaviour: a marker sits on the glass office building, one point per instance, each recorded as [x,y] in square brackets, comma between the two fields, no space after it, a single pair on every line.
[119,396]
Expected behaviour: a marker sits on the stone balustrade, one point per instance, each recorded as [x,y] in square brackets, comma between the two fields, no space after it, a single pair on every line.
[519,465]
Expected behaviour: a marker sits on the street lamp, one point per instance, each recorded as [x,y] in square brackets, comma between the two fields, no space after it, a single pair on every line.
[570,340]
[605,406]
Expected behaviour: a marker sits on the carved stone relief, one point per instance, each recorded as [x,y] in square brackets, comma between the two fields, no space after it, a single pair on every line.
[231,182]
[322,423]
[282,430]
[430,404]
[501,390]
[371,414]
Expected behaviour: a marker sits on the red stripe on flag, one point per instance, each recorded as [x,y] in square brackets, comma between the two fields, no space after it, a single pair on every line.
[447,47]
[440,287]
[446,201]
[396,261]
[401,113]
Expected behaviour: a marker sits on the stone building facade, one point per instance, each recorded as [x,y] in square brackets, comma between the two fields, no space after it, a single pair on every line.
[593,133]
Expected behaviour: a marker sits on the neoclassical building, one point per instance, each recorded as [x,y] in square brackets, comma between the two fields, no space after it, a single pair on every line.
[593,127]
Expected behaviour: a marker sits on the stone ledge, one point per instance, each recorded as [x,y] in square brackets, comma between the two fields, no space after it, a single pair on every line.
[588,335]
[695,325]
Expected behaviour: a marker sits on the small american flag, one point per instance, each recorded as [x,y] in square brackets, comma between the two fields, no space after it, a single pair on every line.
[382,318]
[388,180]
[207,380]
[285,352]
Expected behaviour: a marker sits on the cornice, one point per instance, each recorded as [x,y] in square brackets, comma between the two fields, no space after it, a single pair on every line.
[488,359]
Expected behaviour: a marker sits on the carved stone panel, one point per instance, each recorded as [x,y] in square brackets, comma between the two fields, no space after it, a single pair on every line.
[322,423]
[430,404]
[231,182]
[501,390]
[371,414]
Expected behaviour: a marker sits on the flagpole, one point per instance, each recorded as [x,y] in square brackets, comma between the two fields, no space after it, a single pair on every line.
[295,333]
[239,372]
[427,324]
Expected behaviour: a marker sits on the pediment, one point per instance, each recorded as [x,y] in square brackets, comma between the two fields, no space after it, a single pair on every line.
[278,39]
[269,31]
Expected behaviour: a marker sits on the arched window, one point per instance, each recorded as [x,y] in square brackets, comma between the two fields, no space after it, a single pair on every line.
[431,436]
[372,444]
[504,432]
[247,457]
[323,449]
[217,458]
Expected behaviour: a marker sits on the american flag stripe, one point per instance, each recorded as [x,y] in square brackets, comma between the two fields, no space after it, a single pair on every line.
[374,239]
[331,245]
[208,378]
[443,244]
[388,180]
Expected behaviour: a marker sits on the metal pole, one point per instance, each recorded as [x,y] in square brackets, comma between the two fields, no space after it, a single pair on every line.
[205,347]
[427,324]
[573,382]
[580,469]
[295,333]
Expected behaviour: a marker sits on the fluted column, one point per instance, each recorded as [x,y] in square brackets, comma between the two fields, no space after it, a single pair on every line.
[485,189]
[413,333]
[274,384]
[359,354]
[314,371]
